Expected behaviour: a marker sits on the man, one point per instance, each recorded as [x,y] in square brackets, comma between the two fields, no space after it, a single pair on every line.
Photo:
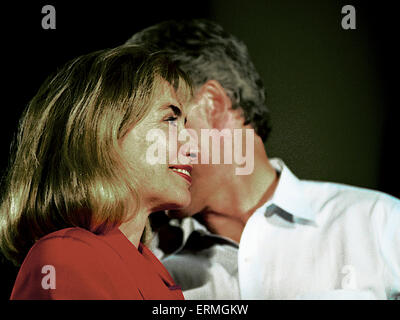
[267,235]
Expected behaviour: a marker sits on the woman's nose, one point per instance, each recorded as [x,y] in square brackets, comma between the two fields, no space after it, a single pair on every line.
[189,149]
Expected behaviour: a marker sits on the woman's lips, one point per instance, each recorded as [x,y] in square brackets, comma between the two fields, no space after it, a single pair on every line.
[183,170]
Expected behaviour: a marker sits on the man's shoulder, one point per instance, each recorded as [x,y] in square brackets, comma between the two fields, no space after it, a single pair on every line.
[326,196]
[344,197]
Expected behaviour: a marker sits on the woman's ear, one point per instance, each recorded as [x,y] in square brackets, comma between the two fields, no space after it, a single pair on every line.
[216,103]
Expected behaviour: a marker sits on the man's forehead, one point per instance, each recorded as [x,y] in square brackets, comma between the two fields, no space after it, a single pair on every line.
[192,107]
[195,105]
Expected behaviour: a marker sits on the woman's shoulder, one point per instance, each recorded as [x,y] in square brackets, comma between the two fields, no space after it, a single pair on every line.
[66,246]
[78,261]
[73,233]
[74,237]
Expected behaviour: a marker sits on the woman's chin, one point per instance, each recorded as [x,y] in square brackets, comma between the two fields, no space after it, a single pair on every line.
[182,203]
[179,202]
[183,199]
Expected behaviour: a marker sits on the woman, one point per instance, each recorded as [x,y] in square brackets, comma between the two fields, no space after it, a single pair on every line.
[79,188]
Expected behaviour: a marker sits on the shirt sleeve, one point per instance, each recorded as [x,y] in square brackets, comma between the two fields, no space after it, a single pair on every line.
[389,240]
[64,268]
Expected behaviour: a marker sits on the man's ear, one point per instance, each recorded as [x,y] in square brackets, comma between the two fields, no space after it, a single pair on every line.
[217,103]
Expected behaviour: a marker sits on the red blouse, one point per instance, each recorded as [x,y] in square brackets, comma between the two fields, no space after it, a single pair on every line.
[74,263]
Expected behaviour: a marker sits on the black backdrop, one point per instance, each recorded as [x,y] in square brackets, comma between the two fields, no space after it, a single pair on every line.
[332,92]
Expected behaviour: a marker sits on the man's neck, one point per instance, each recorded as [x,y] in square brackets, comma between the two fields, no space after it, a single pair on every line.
[232,207]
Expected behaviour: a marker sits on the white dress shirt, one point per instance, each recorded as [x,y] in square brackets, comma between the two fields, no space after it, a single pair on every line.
[311,240]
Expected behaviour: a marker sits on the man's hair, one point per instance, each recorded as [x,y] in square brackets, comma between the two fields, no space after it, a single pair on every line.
[205,51]
[67,168]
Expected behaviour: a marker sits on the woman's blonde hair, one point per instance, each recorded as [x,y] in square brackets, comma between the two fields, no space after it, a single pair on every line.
[66,167]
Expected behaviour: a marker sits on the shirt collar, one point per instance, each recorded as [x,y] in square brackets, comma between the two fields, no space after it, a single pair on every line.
[290,195]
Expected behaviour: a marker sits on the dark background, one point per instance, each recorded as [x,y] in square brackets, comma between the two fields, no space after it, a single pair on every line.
[331,91]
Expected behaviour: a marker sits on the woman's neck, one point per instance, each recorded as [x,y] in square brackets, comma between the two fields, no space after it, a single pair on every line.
[133,228]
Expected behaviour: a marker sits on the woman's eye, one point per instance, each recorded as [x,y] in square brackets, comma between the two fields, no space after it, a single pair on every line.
[172,120]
